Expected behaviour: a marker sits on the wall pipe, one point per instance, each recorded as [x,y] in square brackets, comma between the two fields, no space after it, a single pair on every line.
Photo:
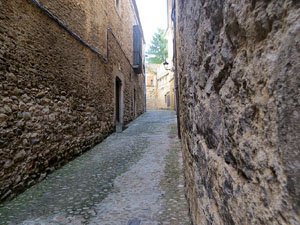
[176,69]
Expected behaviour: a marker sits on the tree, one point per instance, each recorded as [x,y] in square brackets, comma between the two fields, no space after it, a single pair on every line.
[158,51]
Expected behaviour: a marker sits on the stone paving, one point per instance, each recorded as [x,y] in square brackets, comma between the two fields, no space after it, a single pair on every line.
[132,178]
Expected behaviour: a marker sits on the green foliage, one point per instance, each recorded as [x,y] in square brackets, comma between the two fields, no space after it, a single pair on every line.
[158,51]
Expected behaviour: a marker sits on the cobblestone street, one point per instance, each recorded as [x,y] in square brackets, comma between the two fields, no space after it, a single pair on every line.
[134,177]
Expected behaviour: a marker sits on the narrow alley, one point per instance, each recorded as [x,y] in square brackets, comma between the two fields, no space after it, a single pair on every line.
[134,177]
[138,112]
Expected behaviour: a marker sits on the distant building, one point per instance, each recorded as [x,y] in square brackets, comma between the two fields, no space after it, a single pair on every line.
[151,86]
[165,89]
[160,78]
[160,87]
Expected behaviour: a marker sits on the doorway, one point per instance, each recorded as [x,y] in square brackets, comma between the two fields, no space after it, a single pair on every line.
[118,99]
[134,103]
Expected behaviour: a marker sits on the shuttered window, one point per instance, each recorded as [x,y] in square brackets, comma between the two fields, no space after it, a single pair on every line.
[137,50]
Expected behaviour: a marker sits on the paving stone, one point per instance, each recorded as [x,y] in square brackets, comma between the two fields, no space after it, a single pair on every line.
[134,177]
[134,222]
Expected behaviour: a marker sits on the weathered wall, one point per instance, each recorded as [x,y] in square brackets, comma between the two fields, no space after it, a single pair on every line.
[151,90]
[56,96]
[239,64]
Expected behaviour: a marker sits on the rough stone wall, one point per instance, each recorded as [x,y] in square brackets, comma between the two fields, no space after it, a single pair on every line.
[56,96]
[238,65]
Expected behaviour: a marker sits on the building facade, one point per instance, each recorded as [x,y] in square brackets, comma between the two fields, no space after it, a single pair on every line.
[151,86]
[160,87]
[165,88]
[70,71]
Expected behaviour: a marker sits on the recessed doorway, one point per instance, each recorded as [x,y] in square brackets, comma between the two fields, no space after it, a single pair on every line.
[118,100]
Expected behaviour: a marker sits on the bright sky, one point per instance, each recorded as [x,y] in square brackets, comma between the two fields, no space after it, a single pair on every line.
[153,15]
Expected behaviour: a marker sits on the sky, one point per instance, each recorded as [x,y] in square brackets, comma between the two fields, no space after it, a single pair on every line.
[153,15]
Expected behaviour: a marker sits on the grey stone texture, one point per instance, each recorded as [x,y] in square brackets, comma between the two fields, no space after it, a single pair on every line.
[239,64]
[56,96]
[133,177]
